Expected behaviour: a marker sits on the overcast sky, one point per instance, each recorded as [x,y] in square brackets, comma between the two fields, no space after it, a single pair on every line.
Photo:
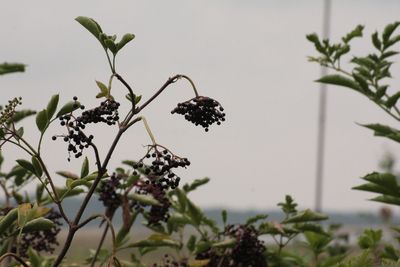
[250,55]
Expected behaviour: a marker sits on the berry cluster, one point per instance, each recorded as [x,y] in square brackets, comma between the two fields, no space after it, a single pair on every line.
[247,251]
[108,194]
[77,141]
[202,111]
[162,163]
[9,110]
[168,262]
[44,240]
[156,213]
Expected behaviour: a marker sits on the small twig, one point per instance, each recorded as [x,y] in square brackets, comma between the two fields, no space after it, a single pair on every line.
[146,125]
[129,89]
[103,237]
[15,256]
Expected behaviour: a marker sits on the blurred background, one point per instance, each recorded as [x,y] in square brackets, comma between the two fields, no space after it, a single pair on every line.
[250,55]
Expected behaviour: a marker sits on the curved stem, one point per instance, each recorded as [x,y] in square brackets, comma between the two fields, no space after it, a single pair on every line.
[129,89]
[191,82]
[7,195]
[15,256]
[146,125]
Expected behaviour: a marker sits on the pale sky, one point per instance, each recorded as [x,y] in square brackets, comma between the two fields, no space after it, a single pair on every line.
[249,55]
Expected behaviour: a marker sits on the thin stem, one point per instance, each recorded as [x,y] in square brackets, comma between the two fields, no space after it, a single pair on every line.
[146,125]
[3,186]
[191,82]
[129,89]
[165,85]
[15,256]
[109,61]
[96,254]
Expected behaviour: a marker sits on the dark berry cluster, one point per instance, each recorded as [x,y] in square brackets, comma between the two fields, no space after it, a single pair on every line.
[247,251]
[108,194]
[167,261]
[202,111]
[161,165]
[156,213]
[77,141]
[44,240]
[107,112]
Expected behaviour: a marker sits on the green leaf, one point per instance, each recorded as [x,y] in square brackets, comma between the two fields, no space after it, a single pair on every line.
[194,212]
[67,174]
[52,106]
[386,180]
[357,32]
[336,79]
[37,166]
[387,199]
[42,120]
[38,224]
[315,40]
[375,40]
[26,165]
[387,32]
[21,114]
[124,40]
[111,45]
[391,101]
[34,258]
[362,82]
[256,218]
[316,241]
[224,215]
[305,216]
[24,213]
[91,25]
[191,243]
[6,68]
[145,199]
[85,168]
[370,238]
[103,90]
[227,243]
[8,220]
[137,99]
[196,183]
[68,108]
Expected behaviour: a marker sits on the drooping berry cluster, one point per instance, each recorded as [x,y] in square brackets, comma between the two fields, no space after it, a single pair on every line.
[77,141]
[202,111]
[9,110]
[156,213]
[43,240]
[167,261]
[247,251]
[162,163]
[108,194]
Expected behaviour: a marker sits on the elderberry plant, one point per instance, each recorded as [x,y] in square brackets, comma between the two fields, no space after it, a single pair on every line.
[29,226]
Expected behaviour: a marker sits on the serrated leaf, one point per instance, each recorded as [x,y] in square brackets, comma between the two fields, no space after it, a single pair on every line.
[37,166]
[26,165]
[124,40]
[68,108]
[305,216]
[91,25]
[256,218]
[85,167]
[336,79]
[52,106]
